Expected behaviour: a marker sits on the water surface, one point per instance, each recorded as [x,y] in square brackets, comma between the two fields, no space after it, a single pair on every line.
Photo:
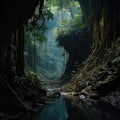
[67,109]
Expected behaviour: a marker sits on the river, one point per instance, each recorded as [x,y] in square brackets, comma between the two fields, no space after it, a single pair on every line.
[65,108]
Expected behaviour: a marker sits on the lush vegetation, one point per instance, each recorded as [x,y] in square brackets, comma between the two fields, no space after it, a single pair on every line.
[42,56]
[72,23]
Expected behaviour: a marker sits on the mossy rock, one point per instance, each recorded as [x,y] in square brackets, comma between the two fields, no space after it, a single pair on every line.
[87,90]
[91,94]
[107,80]
[106,86]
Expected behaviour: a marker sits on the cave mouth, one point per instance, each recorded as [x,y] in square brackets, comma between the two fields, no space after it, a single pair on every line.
[66,45]
[29,59]
[39,55]
[63,45]
[73,36]
[45,55]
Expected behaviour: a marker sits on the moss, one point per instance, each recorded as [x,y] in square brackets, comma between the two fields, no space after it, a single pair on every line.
[104,82]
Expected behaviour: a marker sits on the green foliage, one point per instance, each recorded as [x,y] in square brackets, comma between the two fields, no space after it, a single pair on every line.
[54,3]
[48,14]
[46,62]
[35,79]
[35,34]
[49,65]
[67,26]
[41,38]
[36,29]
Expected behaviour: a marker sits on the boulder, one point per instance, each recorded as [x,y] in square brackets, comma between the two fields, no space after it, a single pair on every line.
[106,86]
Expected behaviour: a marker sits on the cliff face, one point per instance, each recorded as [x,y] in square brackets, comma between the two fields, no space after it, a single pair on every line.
[101,73]
[77,44]
[104,28]
[13,15]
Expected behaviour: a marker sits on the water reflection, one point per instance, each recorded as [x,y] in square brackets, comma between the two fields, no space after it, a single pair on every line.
[67,109]
[55,111]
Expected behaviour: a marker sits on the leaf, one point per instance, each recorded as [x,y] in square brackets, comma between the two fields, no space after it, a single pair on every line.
[41,38]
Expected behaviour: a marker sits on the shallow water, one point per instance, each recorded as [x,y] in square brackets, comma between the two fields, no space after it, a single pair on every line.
[67,109]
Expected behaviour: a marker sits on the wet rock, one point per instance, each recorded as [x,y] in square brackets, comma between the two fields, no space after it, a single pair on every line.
[87,90]
[94,96]
[106,86]
[82,96]
[114,98]
[51,96]
[42,91]
[57,94]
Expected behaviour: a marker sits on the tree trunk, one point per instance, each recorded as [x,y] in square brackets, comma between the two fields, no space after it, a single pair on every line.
[20,52]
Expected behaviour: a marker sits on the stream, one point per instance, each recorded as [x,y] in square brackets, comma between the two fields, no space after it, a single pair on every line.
[66,108]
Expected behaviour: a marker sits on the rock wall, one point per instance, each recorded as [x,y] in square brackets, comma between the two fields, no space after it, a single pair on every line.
[77,44]
[13,14]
